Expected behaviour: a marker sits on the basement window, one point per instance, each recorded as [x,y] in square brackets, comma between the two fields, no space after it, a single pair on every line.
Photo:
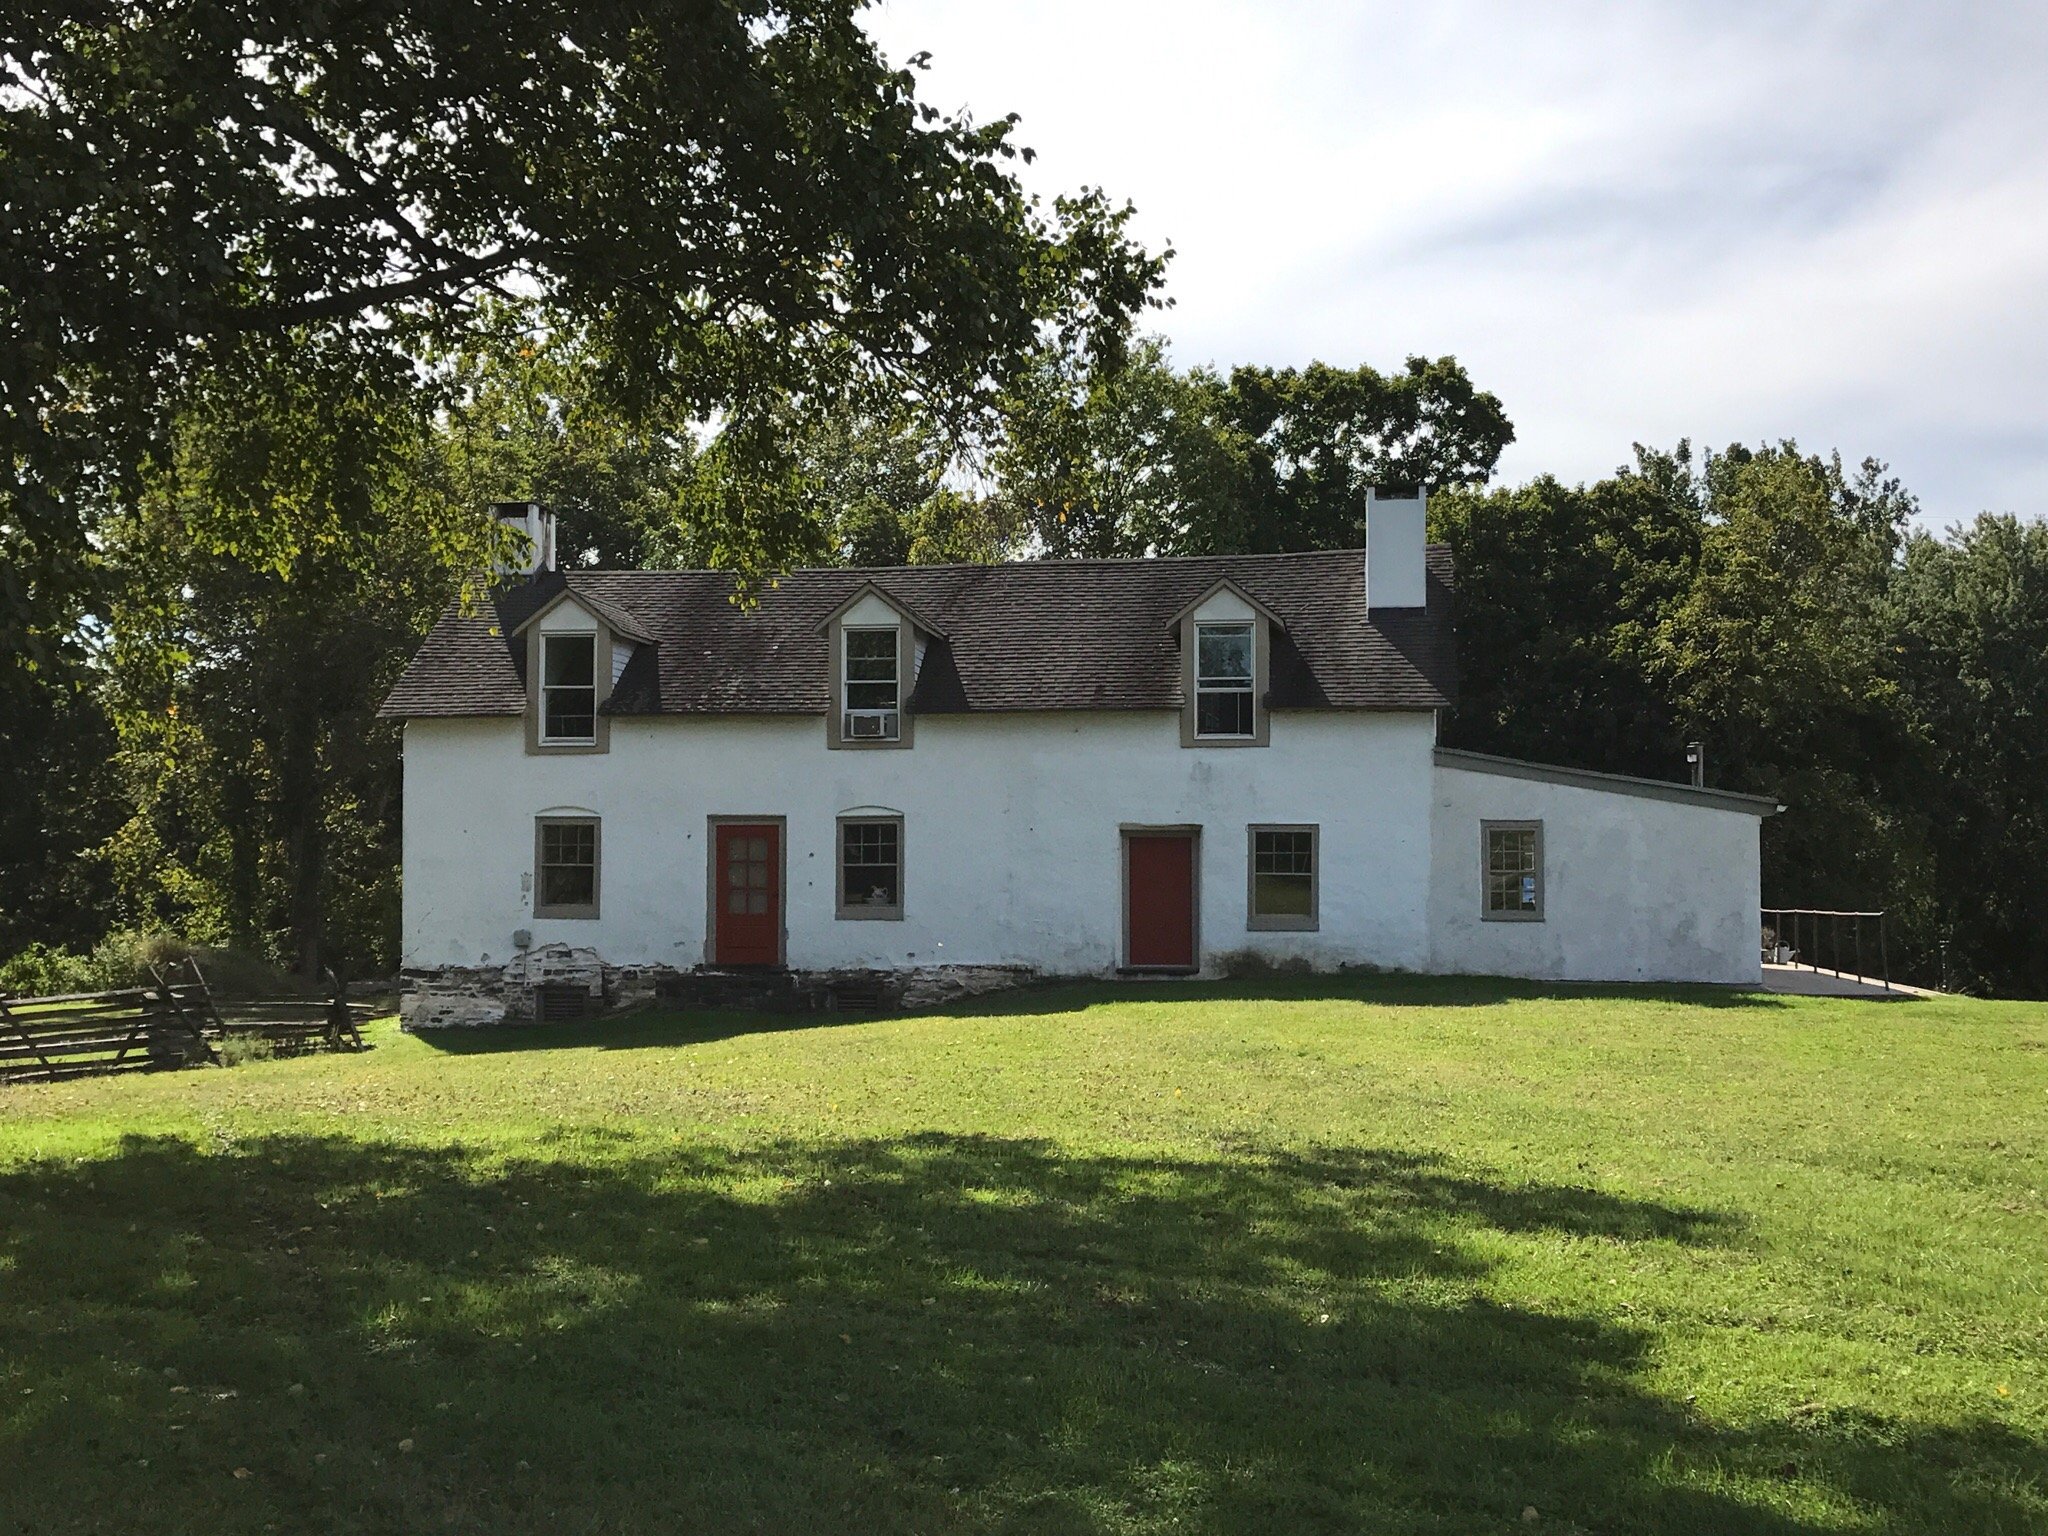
[1224,707]
[568,695]
[1283,878]
[565,850]
[1512,871]
[871,867]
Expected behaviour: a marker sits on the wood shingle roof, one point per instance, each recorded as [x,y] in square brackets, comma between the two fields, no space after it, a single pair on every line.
[1027,635]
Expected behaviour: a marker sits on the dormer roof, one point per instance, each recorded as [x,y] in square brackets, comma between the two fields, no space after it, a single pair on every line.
[875,589]
[615,618]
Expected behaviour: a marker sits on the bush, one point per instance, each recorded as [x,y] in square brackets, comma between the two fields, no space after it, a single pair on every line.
[40,971]
[124,958]
[236,1049]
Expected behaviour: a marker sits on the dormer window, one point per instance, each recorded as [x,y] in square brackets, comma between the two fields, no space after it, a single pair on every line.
[872,704]
[1225,706]
[568,696]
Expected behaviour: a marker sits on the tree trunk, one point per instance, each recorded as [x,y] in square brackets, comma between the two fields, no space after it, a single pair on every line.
[303,811]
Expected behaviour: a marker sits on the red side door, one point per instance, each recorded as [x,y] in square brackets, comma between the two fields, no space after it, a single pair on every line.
[747,881]
[1159,899]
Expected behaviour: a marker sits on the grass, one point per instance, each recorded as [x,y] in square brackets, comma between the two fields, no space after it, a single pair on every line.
[1403,1255]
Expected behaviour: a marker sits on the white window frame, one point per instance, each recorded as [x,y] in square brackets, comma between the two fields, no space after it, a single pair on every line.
[1248,687]
[548,638]
[890,719]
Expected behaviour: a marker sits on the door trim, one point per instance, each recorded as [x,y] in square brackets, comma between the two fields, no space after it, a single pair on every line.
[1125,832]
[711,826]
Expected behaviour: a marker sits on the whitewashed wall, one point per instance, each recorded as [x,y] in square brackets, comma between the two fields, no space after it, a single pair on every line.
[1635,889]
[1010,834]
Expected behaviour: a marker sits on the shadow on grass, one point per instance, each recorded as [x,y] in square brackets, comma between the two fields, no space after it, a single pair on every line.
[933,1333]
[1389,989]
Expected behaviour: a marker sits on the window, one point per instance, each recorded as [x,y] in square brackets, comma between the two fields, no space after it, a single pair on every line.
[1283,878]
[1223,681]
[871,867]
[1512,870]
[872,712]
[565,866]
[568,695]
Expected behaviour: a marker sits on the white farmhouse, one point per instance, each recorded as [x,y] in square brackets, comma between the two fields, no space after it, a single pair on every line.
[927,780]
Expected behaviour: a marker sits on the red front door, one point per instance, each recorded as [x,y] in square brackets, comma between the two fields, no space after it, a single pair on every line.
[1159,898]
[747,879]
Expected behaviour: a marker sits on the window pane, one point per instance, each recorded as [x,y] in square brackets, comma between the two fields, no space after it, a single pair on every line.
[1511,870]
[871,695]
[870,864]
[1223,713]
[568,864]
[1283,853]
[569,714]
[871,654]
[570,660]
[1281,895]
[1223,653]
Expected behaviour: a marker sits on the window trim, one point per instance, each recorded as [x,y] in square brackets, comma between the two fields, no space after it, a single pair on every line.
[568,910]
[601,660]
[1262,657]
[1258,922]
[906,682]
[845,911]
[1489,826]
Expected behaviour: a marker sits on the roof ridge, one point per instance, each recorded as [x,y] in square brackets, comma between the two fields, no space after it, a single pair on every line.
[1041,562]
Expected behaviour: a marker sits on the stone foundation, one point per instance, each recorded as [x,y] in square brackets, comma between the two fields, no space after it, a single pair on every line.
[549,978]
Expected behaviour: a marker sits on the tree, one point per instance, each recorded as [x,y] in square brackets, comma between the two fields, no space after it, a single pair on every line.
[1560,589]
[246,679]
[1146,460]
[738,202]
[1118,463]
[1969,631]
[1321,436]
[529,419]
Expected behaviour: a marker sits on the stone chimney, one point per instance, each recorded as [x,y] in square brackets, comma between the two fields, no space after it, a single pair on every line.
[537,524]
[1395,519]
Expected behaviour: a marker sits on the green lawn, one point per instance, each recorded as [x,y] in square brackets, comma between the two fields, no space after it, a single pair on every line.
[1308,1256]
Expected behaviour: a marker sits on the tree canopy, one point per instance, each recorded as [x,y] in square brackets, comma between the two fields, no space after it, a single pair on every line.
[738,204]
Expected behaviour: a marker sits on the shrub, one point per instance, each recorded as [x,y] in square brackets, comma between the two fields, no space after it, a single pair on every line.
[236,1049]
[40,971]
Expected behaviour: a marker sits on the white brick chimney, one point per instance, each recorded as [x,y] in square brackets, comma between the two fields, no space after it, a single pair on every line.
[537,523]
[1395,518]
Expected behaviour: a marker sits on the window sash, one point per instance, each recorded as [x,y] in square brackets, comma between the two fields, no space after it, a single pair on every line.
[567,876]
[871,683]
[1283,884]
[568,702]
[1514,872]
[1224,666]
[870,867]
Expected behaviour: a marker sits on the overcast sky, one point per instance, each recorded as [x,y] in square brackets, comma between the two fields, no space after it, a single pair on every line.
[1633,222]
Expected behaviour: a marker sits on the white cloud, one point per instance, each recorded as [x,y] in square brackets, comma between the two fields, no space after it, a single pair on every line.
[1724,220]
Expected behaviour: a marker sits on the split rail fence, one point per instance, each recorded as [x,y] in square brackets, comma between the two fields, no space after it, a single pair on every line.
[173,1022]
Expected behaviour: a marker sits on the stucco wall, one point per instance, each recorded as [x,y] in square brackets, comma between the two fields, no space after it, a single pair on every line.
[1011,842]
[1635,889]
